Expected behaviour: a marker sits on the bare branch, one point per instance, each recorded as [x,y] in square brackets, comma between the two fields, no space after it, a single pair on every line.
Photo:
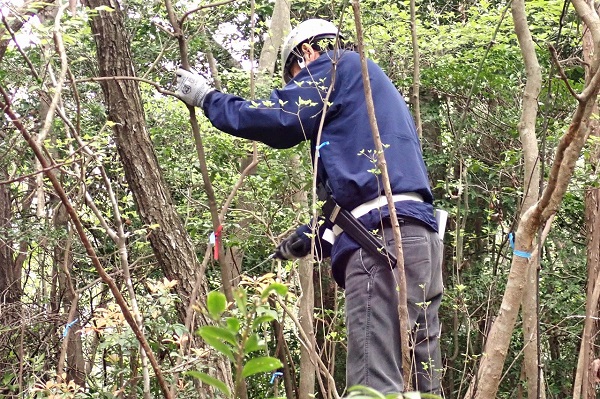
[562,72]
[16,43]
[187,14]
[5,105]
[382,165]
[117,78]
[37,172]
[308,344]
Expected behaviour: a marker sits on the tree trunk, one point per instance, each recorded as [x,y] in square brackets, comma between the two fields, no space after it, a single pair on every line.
[10,271]
[531,176]
[568,151]
[306,305]
[172,245]
[326,299]
[280,26]
[583,387]
[305,315]
[62,256]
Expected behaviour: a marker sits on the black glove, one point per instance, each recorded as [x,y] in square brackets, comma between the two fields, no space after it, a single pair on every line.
[293,247]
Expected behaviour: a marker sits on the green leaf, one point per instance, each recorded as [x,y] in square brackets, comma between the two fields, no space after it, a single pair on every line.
[262,364]
[241,299]
[207,379]
[220,333]
[254,343]
[366,390]
[265,318]
[7,377]
[279,288]
[216,304]
[219,346]
[233,324]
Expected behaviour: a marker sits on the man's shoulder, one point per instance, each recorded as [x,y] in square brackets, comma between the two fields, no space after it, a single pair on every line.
[344,55]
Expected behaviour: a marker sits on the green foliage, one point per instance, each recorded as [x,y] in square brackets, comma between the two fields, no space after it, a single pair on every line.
[472,79]
[240,329]
[362,392]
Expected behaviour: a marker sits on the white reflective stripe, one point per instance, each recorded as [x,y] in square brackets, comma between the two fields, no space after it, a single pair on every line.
[377,203]
[381,201]
[329,236]
[441,216]
[337,230]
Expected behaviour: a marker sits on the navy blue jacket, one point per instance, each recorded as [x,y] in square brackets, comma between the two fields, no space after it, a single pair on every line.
[347,160]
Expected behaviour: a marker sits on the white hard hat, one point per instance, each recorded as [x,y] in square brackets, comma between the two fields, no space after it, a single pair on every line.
[309,29]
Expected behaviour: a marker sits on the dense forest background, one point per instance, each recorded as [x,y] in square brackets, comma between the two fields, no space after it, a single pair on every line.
[133,235]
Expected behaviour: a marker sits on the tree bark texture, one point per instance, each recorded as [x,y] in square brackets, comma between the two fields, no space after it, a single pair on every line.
[62,256]
[486,384]
[583,387]
[10,271]
[584,380]
[10,288]
[279,28]
[531,190]
[170,242]
[172,245]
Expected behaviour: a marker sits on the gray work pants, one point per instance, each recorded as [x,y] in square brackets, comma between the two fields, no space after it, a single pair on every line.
[374,351]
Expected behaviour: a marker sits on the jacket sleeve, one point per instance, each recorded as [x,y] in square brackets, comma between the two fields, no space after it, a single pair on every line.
[322,246]
[287,118]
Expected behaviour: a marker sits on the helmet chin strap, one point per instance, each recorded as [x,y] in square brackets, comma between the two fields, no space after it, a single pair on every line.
[301,63]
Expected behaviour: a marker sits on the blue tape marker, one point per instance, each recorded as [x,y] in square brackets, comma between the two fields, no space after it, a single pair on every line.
[275,375]
[321,146]
[68,327]
[522,254]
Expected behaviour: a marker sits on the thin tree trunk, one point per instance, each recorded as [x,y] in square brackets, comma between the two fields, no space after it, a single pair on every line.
[306,307]
[527,276]
[531,176]
[170,242]
[583,386]
[415,97]
[305,315]
[280,26]
[485,386]
[62,257]
[10,273]
[382,166]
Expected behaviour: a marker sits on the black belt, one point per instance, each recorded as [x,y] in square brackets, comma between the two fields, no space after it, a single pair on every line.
[355,229]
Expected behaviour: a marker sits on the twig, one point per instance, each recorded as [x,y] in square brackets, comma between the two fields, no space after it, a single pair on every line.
[116,273]
[37,172]
[561,71]
[5,105]
[156,61]
[115,78]
[309,347]
[187,14]
[16,43]
[382,165]
[247,170]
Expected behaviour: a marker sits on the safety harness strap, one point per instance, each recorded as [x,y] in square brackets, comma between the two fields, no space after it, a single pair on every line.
[355,229]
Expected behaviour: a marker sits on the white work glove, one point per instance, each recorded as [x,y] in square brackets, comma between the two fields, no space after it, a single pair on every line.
[191,87]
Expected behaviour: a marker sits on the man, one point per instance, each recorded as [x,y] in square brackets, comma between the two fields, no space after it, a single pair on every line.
[312,61]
